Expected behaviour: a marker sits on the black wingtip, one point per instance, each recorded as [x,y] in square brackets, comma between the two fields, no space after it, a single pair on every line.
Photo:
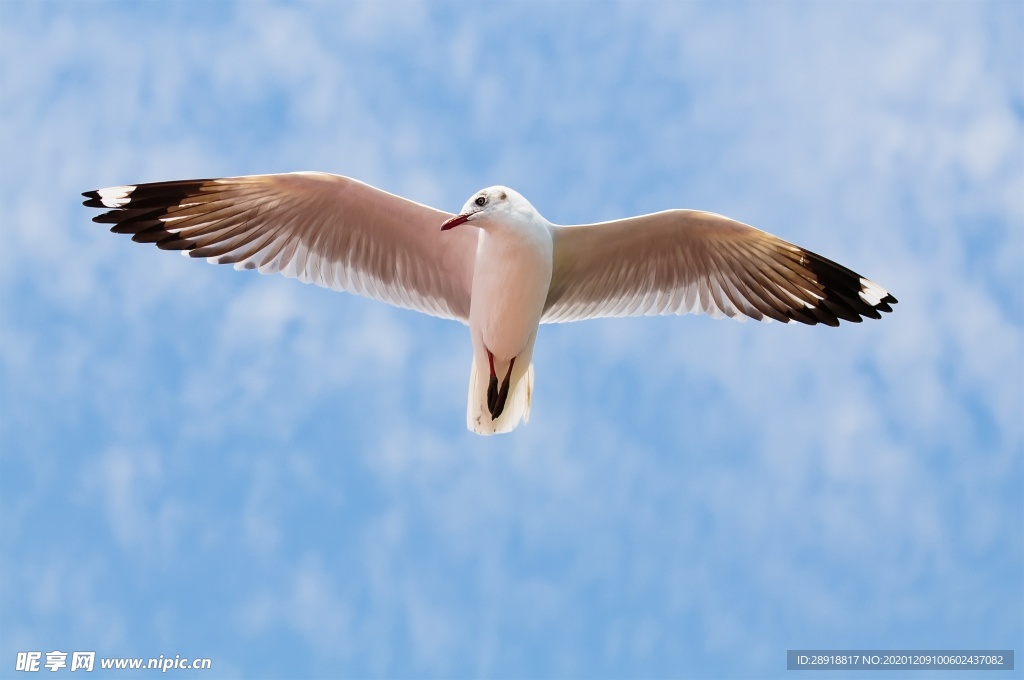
[843,294]
[93,199]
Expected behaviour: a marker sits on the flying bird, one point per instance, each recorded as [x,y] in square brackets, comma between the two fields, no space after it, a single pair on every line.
[497,265]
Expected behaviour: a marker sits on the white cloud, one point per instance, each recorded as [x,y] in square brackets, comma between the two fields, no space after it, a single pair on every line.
[128,484]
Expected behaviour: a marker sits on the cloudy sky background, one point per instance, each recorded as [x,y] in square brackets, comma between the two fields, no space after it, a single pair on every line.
[210,463]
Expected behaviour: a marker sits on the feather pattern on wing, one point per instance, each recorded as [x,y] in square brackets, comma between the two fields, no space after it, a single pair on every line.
[693,262]
[325,229]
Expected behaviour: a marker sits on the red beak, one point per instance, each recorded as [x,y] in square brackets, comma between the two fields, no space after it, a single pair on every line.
[454,222]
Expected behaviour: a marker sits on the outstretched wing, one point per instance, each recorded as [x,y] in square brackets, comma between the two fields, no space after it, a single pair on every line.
[693,262]
[325,229]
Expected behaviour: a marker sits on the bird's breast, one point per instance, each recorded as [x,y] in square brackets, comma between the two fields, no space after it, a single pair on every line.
[510,286]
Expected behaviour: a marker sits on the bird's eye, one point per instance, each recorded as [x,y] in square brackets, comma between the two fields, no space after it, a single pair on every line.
[481,201]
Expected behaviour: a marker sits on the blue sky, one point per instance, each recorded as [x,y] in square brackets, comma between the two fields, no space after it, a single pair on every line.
[211,463]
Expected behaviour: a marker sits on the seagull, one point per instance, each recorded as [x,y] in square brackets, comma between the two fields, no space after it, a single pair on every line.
[497,266]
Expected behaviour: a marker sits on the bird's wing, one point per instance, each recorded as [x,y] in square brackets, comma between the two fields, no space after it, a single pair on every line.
[687,261]
[325,229]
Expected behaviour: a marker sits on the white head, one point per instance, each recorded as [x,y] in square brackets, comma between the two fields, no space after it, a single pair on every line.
[493,205]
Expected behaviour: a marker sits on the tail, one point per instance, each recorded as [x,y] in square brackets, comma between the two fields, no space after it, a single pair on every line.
[517,406]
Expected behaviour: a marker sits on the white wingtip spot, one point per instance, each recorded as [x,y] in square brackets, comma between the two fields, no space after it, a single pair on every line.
[115,197]
[871,292]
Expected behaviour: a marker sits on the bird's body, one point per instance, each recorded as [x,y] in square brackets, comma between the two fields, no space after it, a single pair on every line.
[497,266]
[511,279]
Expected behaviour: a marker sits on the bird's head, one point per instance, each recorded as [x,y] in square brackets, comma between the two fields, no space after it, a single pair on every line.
[493,205]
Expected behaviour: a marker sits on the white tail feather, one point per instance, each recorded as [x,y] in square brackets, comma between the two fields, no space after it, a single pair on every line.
[517,406]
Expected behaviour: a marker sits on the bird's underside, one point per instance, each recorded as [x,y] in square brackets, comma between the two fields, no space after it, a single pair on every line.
[346,235]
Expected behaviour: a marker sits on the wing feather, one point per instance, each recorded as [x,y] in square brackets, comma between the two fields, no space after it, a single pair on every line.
[325,229]
[688,261]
